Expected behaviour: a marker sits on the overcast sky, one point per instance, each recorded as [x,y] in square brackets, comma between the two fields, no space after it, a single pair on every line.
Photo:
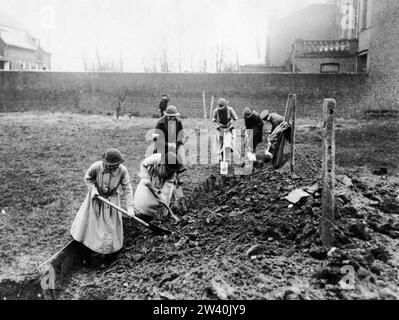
[136,29]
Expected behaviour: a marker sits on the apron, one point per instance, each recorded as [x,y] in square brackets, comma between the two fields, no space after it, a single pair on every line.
[144,201]
[98,226]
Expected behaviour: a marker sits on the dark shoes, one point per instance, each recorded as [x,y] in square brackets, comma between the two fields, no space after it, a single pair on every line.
[183,169]
[110,259]
[87,260]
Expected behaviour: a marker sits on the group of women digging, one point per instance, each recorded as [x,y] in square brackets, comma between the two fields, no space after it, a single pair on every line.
[98,225]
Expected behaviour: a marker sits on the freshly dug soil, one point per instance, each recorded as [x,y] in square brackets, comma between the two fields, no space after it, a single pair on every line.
[45,157]
[243,241]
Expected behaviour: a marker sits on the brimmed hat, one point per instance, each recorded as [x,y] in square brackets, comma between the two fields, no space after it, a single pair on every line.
[264,114]
[222,102]
[112,157]
[248,112]
[171,111]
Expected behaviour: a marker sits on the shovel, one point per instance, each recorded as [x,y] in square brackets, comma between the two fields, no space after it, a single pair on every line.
[163,203]
[149,225]
[251,156]
[224,165]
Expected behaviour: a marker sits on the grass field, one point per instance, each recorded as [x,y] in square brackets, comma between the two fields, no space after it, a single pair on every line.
[44,157]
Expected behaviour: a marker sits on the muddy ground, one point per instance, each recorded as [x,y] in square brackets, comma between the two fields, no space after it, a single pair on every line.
[45,156]
[43,160]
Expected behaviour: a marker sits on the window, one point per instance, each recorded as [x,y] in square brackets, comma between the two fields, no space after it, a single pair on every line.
[329,68]
[362,63]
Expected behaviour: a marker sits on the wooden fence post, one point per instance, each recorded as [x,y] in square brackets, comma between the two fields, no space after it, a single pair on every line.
[204,103]
[293,131]
[328,201]
[211,107]
[279,152]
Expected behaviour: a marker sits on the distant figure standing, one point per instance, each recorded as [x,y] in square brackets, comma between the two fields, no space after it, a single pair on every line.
[118,111]
[224,116]
[163,104]
[169,134]
[273,118]
[253,122]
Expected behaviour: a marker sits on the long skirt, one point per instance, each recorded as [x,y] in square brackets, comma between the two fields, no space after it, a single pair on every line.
[145,202]
[254,138]
[98,226]
[257,139]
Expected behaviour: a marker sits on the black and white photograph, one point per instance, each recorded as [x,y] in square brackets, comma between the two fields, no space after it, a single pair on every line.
[217,151]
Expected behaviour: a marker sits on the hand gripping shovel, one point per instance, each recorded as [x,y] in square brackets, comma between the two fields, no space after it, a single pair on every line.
[149,225]
[224,165]
[162,202]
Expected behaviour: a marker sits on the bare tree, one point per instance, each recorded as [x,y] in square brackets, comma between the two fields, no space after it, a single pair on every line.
[150,66]
[204,66]
[179,62]
[258,45]
[237,61]
[164,60]
[121,102]
[220,56]
[101,64]
[85,64]
[121,62]
[191,63]
[145,66]
[154,66]
[228,67]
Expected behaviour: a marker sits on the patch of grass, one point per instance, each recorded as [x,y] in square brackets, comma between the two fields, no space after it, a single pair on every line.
[43,164]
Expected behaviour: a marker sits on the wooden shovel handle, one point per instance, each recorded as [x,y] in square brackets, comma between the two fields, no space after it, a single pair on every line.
[163,203]
[151,226]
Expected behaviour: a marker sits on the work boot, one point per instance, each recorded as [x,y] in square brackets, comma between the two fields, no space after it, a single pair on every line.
[87,260]
[183,169]
[85,254]
[110,258]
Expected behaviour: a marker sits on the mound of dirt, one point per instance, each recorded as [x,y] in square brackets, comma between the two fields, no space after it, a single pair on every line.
[240,239]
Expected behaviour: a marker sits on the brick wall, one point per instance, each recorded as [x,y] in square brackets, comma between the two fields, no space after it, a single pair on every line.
[384,56]
[98,92]
[312,65]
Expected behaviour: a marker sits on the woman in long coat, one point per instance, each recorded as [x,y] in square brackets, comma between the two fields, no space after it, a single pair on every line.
[158,173]
[253,122]
[98,226]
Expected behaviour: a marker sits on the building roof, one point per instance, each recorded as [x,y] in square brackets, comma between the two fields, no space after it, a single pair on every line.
[10,22]
[14,33]
[19,39]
